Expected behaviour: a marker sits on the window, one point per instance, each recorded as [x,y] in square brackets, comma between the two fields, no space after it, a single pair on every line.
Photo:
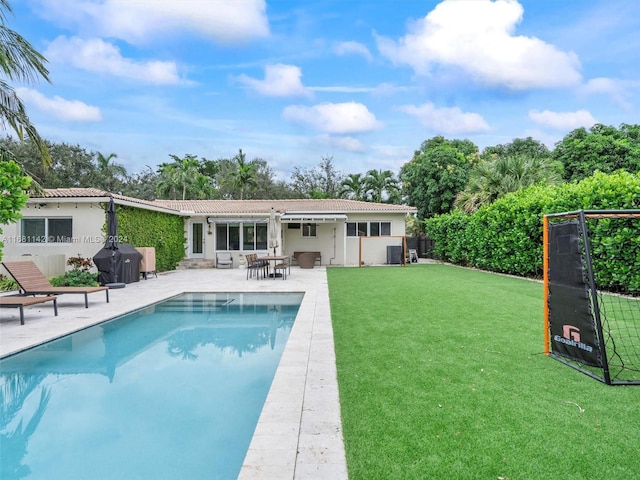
[46,230]
[372,229]
[309,230]
[228,236]
[252,236]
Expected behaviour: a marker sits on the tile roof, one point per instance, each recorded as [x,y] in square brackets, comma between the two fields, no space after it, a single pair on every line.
[281,206]
[233,207]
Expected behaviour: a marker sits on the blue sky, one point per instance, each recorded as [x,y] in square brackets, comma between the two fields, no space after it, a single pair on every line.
[291,82]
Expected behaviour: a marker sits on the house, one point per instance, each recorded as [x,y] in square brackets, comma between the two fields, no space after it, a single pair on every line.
[65,222]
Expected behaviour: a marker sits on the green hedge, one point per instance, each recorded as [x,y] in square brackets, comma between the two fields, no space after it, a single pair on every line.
[506,236]
[145,228]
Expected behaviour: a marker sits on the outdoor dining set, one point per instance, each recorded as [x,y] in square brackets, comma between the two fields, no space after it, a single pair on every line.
[270,266]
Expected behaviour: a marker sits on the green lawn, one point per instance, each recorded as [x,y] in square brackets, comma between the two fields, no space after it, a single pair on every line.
[442,376]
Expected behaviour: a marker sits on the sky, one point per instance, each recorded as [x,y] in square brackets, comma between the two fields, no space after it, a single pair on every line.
[292,82]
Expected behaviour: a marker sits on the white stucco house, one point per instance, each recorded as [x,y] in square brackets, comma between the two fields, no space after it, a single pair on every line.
[66,222]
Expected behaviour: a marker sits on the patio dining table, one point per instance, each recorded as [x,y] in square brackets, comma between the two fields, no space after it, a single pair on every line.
[275,259]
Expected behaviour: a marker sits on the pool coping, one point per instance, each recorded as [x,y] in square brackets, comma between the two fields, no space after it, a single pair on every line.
[299,433]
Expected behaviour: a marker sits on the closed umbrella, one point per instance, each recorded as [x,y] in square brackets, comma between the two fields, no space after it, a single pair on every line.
[112,227]
[273,231]
[112,242]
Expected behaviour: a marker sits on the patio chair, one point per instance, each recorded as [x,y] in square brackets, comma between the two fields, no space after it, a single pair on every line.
[18,301]
[284,267]
[32,282]
[255,266]
[224,259]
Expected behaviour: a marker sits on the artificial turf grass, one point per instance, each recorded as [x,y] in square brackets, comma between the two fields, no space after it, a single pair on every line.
[441,375]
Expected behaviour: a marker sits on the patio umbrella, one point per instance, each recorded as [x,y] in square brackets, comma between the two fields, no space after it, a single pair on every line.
[273,231]
[112,242]
[112,227]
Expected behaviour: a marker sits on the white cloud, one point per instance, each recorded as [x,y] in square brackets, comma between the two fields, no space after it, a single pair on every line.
[279,81]
[477,37]
[563,120]
[340,118]
[353,48]
[347,143]
[73,110]
[234,21]
[96,55]
[448,120]
[607,86]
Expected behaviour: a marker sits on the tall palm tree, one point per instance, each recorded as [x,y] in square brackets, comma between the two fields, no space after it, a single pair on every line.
[244,177]
[109,173]
[179,175]
[353,187]
[20,62]
[491,179]
[381,182]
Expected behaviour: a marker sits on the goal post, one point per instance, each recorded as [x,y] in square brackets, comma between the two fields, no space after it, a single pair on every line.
[591,268]
[382,249]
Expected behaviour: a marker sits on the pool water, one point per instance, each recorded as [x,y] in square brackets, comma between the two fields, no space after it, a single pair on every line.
[172,391]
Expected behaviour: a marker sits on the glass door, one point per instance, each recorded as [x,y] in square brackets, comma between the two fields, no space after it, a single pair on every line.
[197,240]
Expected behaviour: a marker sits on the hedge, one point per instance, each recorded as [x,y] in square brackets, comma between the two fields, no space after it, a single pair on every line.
[146,228]
[506,236]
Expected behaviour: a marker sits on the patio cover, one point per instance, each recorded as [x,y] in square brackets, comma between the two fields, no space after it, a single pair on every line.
[313,218]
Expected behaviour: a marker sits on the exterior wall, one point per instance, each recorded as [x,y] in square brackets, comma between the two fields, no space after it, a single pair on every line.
[374,250]
[87,236]
[329,241]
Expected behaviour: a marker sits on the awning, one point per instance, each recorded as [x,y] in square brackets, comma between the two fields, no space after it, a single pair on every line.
[312,218]
[236,220]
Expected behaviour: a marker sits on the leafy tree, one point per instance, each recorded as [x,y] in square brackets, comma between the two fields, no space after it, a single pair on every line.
[436,174]
[519,146]
[322,181]
[244,176]
[20,62]
[110,176]
[603,148]
[353,187]
[178,176]
[143,185]
[381,183]
[491,179]
[13,185]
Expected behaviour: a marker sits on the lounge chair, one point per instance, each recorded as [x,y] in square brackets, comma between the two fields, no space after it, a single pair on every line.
[224,259]
[32,282]
[18,301]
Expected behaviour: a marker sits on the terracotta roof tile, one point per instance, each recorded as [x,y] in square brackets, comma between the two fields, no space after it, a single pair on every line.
[235,207]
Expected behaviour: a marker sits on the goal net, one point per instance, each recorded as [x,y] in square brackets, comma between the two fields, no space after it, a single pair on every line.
[382,250]
[592,293]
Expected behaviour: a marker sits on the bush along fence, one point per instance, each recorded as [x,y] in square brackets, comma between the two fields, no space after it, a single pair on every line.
[506,236]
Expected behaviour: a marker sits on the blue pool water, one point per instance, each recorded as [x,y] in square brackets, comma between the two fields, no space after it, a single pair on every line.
[172,391]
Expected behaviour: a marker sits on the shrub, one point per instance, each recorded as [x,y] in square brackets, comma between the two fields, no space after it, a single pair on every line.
[506,236]
[7,284]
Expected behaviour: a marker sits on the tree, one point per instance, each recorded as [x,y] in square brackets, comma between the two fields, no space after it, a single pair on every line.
[13,185]
[353,187]
[519,146]
[322,181]
[178,176]
[19,61]
[602,148]
[491,179]
[243,178]
[380,184]
[109,176]
[436,174]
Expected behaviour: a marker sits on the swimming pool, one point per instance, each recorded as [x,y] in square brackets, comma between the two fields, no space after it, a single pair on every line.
[170,391]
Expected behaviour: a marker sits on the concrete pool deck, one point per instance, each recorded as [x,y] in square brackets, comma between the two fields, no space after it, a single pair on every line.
[299,433]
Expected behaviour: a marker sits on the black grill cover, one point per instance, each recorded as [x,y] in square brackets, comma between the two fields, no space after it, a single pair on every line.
[121,265]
